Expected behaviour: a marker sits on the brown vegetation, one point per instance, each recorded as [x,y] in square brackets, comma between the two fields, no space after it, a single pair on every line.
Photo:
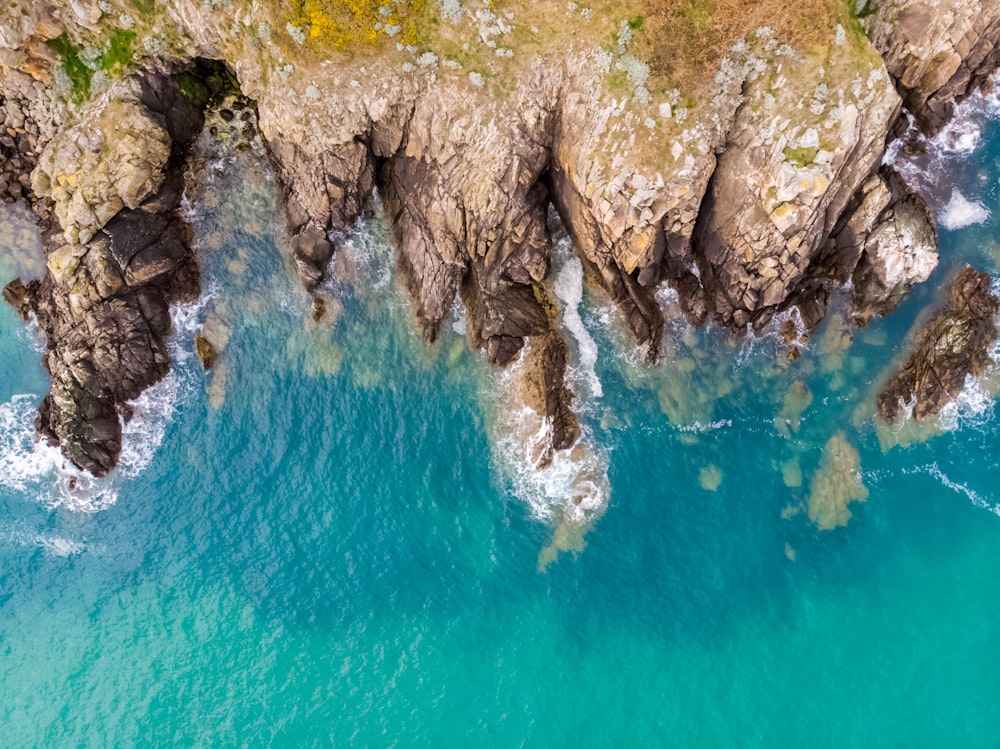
[682,39]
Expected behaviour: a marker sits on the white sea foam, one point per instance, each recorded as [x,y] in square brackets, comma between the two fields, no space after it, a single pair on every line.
[569,288]
[369,248]
[961,136]
[712,426]
[770,339]
[39,471]
[961,212]
[459,316]
[972,407]
[573,487]
[54,544]
[947,158]
[933,470]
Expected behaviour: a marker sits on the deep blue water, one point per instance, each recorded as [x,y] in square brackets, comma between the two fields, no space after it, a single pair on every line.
[329,541]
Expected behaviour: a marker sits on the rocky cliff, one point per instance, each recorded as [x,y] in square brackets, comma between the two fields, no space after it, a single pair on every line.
[752,190]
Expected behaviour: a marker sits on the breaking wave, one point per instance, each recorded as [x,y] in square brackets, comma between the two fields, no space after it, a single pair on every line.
[934,471]
[40,473]
[52,544]
[933,166]
[568,287]
[961,212]
[572,486]
[973,407]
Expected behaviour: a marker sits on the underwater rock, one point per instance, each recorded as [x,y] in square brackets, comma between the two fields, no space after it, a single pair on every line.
[206,352]
[710,478]
[836,483]
[951,346]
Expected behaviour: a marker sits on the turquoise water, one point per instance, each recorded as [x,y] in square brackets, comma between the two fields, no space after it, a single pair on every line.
[328,541]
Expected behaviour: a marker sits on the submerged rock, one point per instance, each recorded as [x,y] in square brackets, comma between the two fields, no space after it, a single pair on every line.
[206,351]
[953,345]
[836,483]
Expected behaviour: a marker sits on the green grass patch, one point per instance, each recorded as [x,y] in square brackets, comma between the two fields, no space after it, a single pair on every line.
[801,156]
[146,7]
[118,50]
[207,85]
[193,89]
[115,56]
[78,73]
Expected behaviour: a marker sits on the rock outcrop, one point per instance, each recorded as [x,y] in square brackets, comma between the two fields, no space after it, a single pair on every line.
[758,190]
[938,51]
[885,243]
[951,346]
[115,182]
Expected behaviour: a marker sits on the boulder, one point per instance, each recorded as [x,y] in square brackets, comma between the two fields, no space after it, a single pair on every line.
[951,346]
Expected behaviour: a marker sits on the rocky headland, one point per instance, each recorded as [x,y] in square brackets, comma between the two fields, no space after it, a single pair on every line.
[735,158]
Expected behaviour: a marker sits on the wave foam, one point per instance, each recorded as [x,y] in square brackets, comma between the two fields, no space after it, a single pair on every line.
[972,407]
[933,470]
[944,160]
[961,212]
[568,286]
[38,471]
[573,487]
[53,544]
[698,428]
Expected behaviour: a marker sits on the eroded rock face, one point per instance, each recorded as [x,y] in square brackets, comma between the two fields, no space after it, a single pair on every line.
[123,257]
[938,51]
[779,189]
[952,345]
[885,243]
[762,196]
[114,159]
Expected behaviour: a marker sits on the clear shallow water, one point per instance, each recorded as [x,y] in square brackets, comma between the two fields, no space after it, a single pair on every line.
[320,544]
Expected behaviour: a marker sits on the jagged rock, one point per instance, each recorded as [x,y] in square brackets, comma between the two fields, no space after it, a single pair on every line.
[938,51]
[326,186]
[885,242]
[115,158]
[758,198]
[21,296]
[952,345]
[900,251]
[104,302]
[543,389]
[765,220]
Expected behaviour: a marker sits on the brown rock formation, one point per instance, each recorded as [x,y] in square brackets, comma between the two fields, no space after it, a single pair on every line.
[954,343]
[938,51]
[757,192]
[124,256]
